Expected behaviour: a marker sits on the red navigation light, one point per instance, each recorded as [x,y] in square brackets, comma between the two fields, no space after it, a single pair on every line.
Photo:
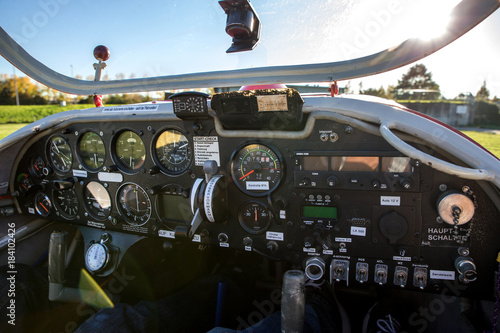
[101,53]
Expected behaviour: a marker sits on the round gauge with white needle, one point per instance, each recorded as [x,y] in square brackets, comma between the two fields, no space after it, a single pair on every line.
[254,217]
[172,151]
[133,204]
[59,154]
[91,151]
[256,169]
[129,151]
[66,203]
[96,257]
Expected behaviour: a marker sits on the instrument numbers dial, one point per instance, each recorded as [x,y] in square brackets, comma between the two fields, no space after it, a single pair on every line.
[96,257]
[59,154]
[256,169]
[91,151]
[254,217]
[130,152]
[134,204]
[66,203]
[172,151]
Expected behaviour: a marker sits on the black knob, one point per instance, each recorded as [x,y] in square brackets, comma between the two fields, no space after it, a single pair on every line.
[376,183]
[405,183]
[318,229]
[308,242]
[272,246]
[247,241]
[222,238]
[280,203]
[305,181]
[332,181]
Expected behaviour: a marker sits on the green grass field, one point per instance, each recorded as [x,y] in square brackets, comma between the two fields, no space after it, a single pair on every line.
[31,113]
[490,141]
[6,129]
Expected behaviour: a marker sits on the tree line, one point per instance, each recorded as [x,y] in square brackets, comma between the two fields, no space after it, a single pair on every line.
[29,93]
[417,85]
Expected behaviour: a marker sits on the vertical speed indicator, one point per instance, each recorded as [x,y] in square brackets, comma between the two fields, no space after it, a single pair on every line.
[256,169]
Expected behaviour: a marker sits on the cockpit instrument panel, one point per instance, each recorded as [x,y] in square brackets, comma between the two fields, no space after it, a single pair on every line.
[340,196]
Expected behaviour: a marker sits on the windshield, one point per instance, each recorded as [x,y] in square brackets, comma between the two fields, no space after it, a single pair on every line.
[175,37]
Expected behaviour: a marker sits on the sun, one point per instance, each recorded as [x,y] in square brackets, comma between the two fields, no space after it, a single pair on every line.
[431,18]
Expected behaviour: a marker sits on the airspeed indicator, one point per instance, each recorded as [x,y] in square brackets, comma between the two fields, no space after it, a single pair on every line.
[256,169]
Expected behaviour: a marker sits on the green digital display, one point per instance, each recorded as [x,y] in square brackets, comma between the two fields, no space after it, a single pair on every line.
[321,212]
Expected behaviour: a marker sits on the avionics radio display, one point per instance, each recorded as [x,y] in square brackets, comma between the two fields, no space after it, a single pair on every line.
[319,212]
[356,163]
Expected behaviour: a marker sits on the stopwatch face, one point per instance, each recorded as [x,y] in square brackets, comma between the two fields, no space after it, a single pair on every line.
[96,257]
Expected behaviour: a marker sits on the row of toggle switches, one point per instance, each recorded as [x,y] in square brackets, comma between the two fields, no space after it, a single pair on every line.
[339,271]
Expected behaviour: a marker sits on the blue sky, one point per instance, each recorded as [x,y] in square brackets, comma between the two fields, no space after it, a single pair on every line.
[149,38]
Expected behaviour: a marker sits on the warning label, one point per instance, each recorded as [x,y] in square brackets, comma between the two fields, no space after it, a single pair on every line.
[206,148]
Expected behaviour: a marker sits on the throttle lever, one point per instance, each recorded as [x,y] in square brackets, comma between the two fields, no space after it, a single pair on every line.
[203,203]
